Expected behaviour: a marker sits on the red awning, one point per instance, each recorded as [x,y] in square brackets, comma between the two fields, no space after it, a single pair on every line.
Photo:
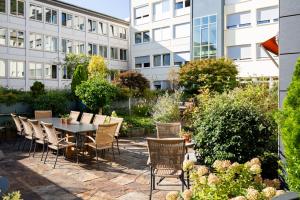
[271,45]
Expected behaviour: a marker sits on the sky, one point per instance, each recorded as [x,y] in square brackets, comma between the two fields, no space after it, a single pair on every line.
[115,8]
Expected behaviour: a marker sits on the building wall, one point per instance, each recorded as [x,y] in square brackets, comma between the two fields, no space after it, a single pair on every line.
[253,35]
[27,55]
[158,74]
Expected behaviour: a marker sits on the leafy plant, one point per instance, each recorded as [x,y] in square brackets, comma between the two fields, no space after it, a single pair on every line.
[80,74]
[98,67]
[37,89]
[96,93]
[71,62]
[216,75]
[289,124]
[11,96]
[12,196]
[143,109]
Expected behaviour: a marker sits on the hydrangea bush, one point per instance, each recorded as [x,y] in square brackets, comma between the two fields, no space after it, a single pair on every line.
[226,180]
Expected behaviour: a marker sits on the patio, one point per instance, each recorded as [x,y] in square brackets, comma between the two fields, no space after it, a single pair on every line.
[125,178]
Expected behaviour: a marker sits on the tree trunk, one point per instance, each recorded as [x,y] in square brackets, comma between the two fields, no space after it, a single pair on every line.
[100,111]
[129,105]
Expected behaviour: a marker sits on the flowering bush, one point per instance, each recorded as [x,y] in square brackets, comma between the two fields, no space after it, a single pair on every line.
[228,180]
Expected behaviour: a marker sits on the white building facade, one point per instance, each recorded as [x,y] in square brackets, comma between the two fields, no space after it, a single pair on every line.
[36,35]
[160,38]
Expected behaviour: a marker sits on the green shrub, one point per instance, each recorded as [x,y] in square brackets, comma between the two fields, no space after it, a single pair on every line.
[132,122]
[80,74]
[143,109]
[71,61]
[37,89]
[11,96]
[289,124]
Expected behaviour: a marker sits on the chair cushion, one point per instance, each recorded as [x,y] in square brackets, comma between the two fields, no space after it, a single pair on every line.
[61,145]
[167,172]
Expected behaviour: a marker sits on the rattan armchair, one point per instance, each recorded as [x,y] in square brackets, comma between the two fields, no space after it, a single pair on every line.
[86,118]
[28,132]
[166,158]
[19,127]
[40,114]
[168,130]
[56,143]
[39,136]
[104,139]
[119,121]
[74,115]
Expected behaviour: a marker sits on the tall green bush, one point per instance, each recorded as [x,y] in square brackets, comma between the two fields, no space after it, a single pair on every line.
[71,61]
[80,75]
[289,124]
[37,89]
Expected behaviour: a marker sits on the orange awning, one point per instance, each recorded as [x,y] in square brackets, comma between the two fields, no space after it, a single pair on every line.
[271,45]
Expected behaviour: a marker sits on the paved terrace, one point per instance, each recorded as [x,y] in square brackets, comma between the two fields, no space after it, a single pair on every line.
[126,178]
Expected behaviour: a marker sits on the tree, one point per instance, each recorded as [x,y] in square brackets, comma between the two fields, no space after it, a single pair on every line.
[289,124]
[96,93]
[80,75]
[173,77]
[216,75]
[97,67]
[71,62]
[37,89]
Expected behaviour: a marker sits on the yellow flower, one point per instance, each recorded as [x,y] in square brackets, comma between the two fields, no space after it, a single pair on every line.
[187,195]
[258,179]
[255,161]
[239,198]
[188,165]
[172,196]
[213,179]
[252,194]
[269,192]
[234,166]
[202,180]
[221,165]
[217,164]
[202,170]
[279,192]
[255,169]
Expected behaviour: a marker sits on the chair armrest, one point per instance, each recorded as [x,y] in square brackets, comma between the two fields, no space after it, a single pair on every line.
[149,161]
[89,137]
[64,139]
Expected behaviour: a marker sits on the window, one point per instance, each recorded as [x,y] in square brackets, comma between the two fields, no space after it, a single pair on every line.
[141,15]
[16,38]
[66,19]
[2,7]
[162,34]
[50,71]
[114,53]
[142,37]
[66,46]
[16,69]
[36,41]
[3,36]
[102,28]
[161,10]
[92,26]
[92,49]
[161,60]
[181,58]
[51,43]
[205,37]
[239,20]
[267,15]
[51,16]
[35,70]
[182,30]
[113,31]
[36,12]
[103,51]
[179,4]
[17,7]
[242,52]
[78,47]
[2,68]
[123,54]
[142,62]
[79,23]
[122,32]
[67,73]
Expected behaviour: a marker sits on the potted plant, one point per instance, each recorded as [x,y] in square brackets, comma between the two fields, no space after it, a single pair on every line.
[65,119]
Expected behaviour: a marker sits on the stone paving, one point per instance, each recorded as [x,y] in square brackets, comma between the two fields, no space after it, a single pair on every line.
[126,178]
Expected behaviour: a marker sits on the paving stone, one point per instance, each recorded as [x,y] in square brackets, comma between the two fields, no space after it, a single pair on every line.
[134,195]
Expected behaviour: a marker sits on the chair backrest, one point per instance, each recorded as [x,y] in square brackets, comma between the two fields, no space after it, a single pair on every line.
[119,121]
[17,122]
[168,130]
[105,134]
[51,133]
[40,114]
[166,153]
[99,119]
[37,129]
[86,118]
[27,127]
[74,115]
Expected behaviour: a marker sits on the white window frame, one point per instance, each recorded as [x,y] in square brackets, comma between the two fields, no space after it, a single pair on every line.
[35,47]
[161,29]
[17,8]
[35,69]
[77,23]
[161,15]
[114,53]
[46,76]
[5,67]
[51,44]
[35,17]
[267,21]
[123,33]
[142,63]
[143,18]
[17,38]
[103,51]
[114,31]
[91,27]
[123,52]
[235,26]
[51,16]
[5,36]
[102,28]
[162,60]
[240,58]
[5,4]
[93,49]
[17,69]
[183,24]
[77,47]
[184,2]
[67,15]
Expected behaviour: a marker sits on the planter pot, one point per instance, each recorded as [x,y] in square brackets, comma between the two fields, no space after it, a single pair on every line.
[66,121]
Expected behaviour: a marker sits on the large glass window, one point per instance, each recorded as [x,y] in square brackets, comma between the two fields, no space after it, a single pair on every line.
[36,41]
[3,33]
[16,69]
[79,23]
[240,52]
[141,15]
[161,10]
[2,68]
[66,46]
[205,37]
[179,4]
[267,15]
[78,47]
[103,51]
[66,19]
[92,26]
[2,6]
[237,20]
[67,72]
[142,62]
[123,33]
[17,7]
[113,31]
[35,70]
[102,28]
[161,34]
[142,37]
[114,53]
[181,58]
[92,49]
[156,60]
[36,12]
[51,16]
[50,71]
[51,43]
[16,38]
[123,54]
[161,60]
[182,30]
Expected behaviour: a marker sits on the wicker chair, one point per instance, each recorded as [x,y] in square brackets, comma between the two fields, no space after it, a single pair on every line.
[166,158]
[119,121]
[104,138]
[28,132]
[56,143]
[99,119]
[40,114]
[168,130]
[86,118]
[19,127]
[39,136]
[74,115]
